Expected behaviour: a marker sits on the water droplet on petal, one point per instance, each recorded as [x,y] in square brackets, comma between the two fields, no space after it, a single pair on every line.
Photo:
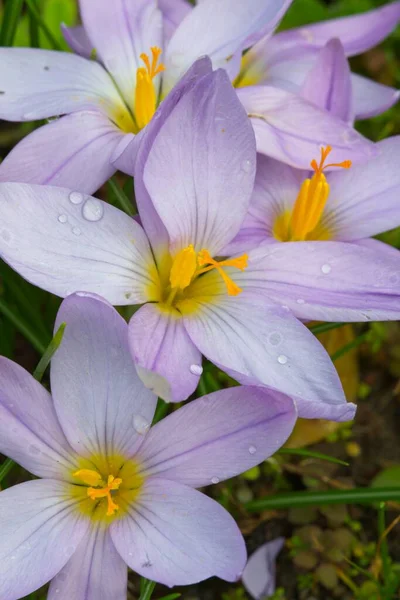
[76,231]
[62,218]
[252,449]
[275,338]
[246,166]
[282,359]
[76,198]
[93,210]
[326,269]
[300,301]
[141,424]
[196,369]
[214,480]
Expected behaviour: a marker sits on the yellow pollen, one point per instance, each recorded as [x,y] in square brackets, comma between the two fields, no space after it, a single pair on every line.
[145,95]
[101,489]
[311,200]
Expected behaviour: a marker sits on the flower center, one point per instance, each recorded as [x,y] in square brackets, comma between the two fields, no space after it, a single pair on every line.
[145,95]
[106,487]
[304,221]
[187,265]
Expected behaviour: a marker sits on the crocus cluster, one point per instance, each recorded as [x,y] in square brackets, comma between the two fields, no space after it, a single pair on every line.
[257,203]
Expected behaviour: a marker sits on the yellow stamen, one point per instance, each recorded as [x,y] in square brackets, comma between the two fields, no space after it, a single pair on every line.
[240,262]
[145,95]
[113,483]
[183,268]
[101,489]
[312,198]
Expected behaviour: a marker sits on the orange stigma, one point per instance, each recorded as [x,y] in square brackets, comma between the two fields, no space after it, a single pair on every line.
[102,490]
[145,95]
[319,168]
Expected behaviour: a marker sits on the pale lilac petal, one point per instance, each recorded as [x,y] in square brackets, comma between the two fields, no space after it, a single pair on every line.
[259,574]
[120,31]
[218,436]
[77,40]
[378,246]
[371,98]
[30,432]
[220,28]
[41,528]
[65,241]
[166,359]
[327,281]
[95,571]
[258,342]
[364,200]
[177,536]
[173,11]
[291,129]
[72,151]
[36,84]
[328,84]
[357,33]
[97,392]
[152,223]
[201,165]
[275,191]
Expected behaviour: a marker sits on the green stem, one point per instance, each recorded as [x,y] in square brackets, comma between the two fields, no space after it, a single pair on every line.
[22,327]
[5,468]
[33,28]
[383,542]
[146,589]
[352,496]
[35,14]
[121,197]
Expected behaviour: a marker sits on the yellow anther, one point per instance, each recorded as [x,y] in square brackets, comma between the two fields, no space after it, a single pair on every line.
[113,483]
[240,262]
[89,477]
[311,200]
[183,268]
[145,95]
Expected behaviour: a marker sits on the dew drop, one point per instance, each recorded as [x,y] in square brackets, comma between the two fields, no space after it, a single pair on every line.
[140,424]
[282,359]
[76,231]
[252,449]
[93,210]
[300,301]
[275,338]
[196,369]
[326,269]
[246,166]
[214,480]
[62,218]
[76,198]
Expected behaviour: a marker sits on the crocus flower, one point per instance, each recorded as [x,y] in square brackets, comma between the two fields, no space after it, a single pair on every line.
[107,102]
[113,491]
[259,574]
[195,175]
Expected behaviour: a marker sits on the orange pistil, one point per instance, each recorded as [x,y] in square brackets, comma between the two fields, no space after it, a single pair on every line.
[204,258]
[113,483]
[145,95]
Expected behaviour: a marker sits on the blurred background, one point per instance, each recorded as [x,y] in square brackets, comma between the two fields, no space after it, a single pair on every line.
[341,551]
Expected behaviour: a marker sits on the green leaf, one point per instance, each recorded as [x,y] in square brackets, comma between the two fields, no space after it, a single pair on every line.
[54,13]
[389,477]
[348,347]
[120,197]
[22,327]
[49,353]
[35,14]
[5,468]
[353,496]
[311,454]
[323,327]
[11,16]
[171,597]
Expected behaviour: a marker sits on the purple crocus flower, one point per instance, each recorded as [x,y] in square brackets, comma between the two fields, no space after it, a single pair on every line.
[195,175]
[109,101]
[259,574]
[113,491]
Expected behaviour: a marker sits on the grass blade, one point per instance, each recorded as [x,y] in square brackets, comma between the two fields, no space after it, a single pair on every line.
[11,16]
[146,589]
[121,198]
[314,498]
[49,353]
[35,14]
[311,454]
[323,327]
[22,327]
[5,468]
